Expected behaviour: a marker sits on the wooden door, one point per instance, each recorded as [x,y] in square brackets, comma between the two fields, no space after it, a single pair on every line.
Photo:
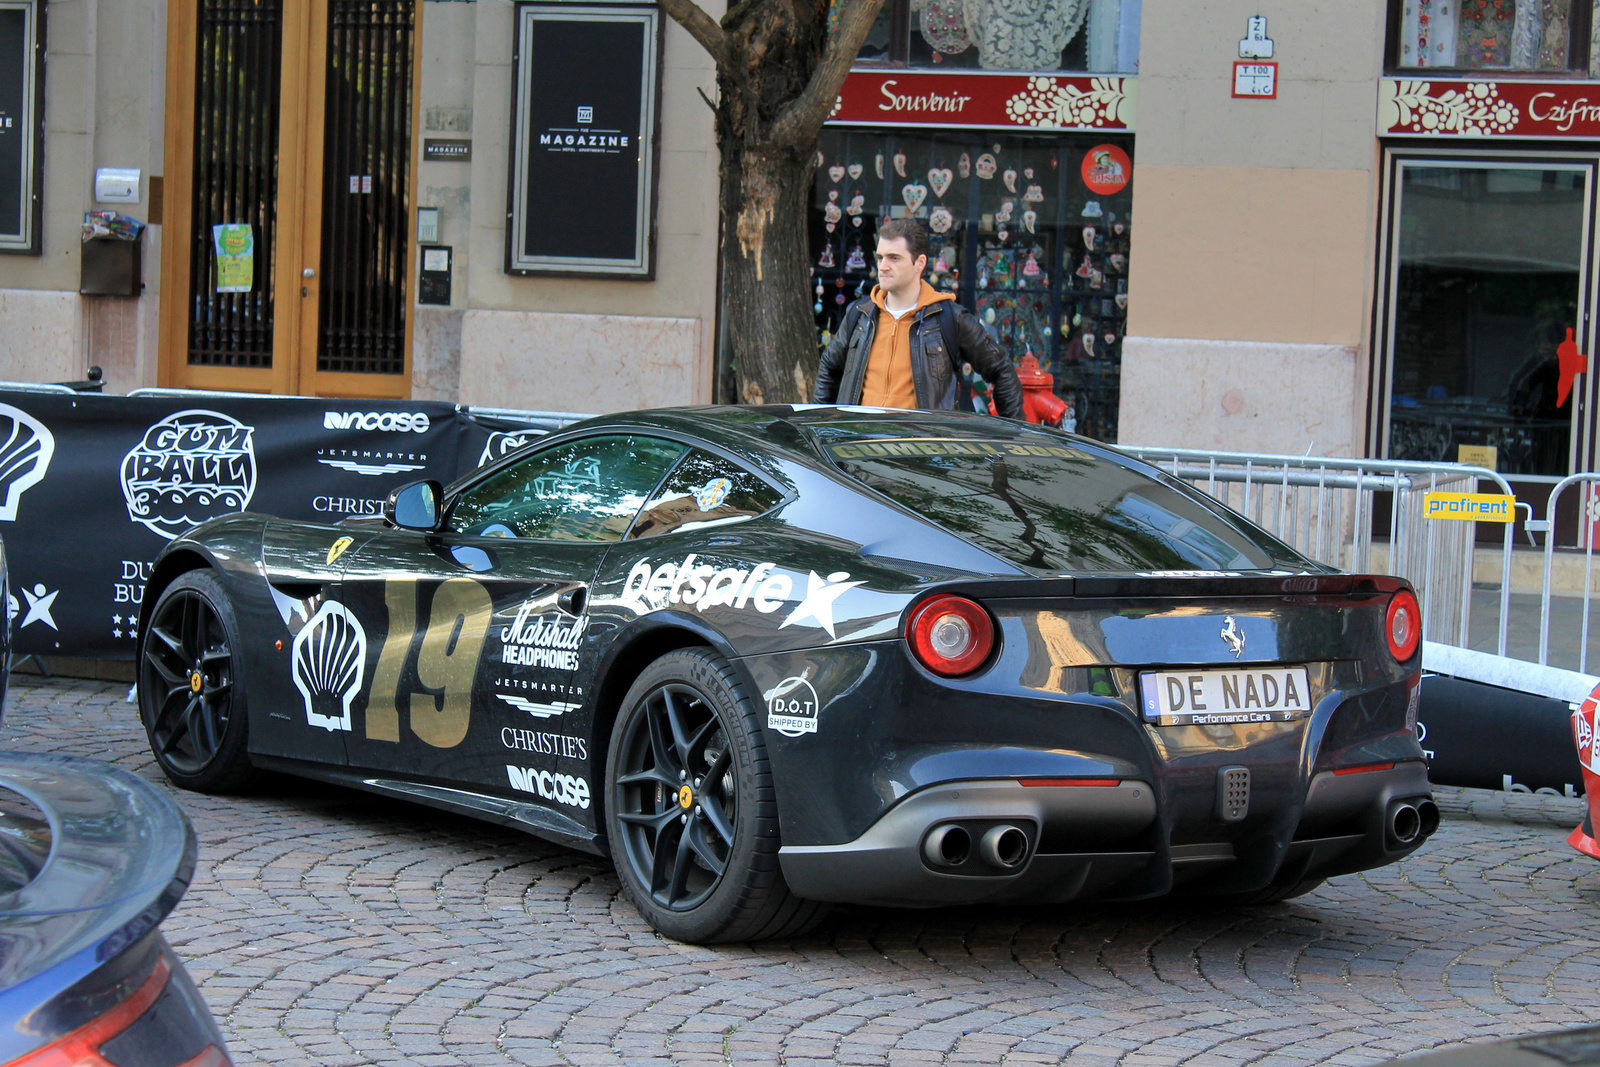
[298,119]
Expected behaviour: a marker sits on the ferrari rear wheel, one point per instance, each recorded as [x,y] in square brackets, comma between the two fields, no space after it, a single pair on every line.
[191,699]
[691,810]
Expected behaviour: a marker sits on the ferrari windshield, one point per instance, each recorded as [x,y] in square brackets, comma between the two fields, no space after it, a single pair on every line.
[1041,502]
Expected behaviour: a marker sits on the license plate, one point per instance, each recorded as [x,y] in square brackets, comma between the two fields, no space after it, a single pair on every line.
[1222,697]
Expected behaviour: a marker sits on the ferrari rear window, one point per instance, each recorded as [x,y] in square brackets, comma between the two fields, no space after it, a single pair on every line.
[1041,502]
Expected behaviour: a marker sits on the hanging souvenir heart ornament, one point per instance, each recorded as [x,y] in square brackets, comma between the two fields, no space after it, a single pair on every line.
[900,164]
[1119,228]
[855,220]
[986,166]
[877,164]
[1027,172]
[1003,233]
[830,227]
[1089,235]
[836,174]
[833,195]
[964,166]
[854,170]
[913,193]
[1122,301]
[1004,214]
[1010,178]
[940,219]
[1109,338]
[940,178]
[1030,218]
[1088,343]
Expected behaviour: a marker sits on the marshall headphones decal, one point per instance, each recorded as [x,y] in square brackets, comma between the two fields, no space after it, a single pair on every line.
[140,471]
[190,467]
[24,457]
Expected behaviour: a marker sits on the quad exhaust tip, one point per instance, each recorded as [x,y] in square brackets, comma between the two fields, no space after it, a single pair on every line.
[1411,821]
[947,846]
[1004,846]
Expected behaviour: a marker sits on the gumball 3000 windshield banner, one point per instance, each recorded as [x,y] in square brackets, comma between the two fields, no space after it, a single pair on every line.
[92,487]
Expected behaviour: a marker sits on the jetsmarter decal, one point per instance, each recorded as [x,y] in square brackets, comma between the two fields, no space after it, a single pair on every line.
[701,586]
[551,641]
[540,710]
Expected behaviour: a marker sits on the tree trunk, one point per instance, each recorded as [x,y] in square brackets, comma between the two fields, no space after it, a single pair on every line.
[768,326]
[780,66]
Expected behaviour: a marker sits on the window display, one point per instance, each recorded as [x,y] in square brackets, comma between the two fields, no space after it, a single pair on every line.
[1485,285]
[1495,34]
[1030,232]
[1031,35]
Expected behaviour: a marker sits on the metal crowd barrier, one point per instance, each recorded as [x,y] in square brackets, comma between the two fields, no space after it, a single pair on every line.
[1585,540]
[1325,508]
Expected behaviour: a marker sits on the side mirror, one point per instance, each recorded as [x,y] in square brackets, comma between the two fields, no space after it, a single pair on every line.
[414,506]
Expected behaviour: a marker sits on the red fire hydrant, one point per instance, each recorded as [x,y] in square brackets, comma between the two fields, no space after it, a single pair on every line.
[1039,403]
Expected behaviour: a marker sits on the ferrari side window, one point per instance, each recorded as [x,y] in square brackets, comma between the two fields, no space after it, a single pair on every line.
[584,490]
[703,490]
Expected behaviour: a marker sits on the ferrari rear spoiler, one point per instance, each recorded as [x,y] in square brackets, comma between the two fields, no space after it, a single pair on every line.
[1169,584]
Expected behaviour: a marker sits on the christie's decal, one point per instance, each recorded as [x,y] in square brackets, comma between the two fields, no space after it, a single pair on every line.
[189,467]
[701,586]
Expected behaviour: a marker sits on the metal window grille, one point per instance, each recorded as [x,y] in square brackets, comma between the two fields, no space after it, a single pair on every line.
[238,72]
[366,171]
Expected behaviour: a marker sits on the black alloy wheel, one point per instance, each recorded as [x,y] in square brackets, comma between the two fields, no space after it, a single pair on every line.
[691,810]
[189,693]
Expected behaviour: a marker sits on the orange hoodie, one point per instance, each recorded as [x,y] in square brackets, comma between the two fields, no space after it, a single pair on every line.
[888,382]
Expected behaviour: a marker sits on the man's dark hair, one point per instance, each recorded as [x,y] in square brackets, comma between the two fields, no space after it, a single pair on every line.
[915,234]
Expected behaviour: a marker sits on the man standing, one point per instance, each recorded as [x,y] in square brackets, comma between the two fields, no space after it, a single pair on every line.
[903,346]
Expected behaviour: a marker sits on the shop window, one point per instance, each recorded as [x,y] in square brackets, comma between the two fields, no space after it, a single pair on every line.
[1030,232]
[1545,36]
[1074,35]
[1485,287]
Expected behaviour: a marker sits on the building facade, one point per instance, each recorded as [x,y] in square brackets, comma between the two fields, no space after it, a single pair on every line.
[1353,229]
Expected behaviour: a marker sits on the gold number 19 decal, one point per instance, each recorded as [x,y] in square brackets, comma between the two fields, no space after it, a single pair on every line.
[446,663]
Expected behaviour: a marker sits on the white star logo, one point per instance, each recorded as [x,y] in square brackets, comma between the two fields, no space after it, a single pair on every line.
[39,606]
[819,598]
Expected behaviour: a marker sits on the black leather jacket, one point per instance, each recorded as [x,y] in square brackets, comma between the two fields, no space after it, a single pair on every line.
[933,370]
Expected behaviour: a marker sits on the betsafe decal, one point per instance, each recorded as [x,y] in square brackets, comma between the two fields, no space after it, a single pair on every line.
[330,656]
[25,453]
[189,467]
[697,585]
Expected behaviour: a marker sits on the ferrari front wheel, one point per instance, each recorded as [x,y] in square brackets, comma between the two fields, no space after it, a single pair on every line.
[190,697]
[691,810]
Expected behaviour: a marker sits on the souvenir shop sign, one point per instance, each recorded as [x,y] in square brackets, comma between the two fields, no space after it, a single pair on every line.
[21,142]
[1433,107]
[583,159]
[987,100]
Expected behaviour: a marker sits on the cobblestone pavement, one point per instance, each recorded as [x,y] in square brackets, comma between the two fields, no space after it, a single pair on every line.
[328,927]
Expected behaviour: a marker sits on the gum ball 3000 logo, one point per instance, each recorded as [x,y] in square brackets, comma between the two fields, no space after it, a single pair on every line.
[191,466]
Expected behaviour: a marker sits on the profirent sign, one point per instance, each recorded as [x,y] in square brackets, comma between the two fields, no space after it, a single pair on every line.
[1470,507]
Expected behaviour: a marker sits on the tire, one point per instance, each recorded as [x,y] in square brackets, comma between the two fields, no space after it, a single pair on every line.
[688,791]
[192,697]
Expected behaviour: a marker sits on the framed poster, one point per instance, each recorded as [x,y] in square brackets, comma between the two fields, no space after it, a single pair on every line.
[583,140]
[21,128]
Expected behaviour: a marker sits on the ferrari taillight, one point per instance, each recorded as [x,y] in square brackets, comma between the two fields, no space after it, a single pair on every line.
[1402,625]
[950,635]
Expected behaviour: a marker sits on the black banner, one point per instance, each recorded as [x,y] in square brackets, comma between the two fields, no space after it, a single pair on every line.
[92,487]
[583,140]
[20,71]
[1484,737]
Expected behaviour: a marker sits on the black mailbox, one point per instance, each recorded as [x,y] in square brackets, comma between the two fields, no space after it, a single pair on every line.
[112,266]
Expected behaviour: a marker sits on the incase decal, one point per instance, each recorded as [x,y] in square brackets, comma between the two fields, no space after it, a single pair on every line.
[565,789]
[394,421]
[330,656]
[792,707]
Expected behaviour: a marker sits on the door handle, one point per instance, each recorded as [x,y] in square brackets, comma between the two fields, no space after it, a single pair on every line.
[572,600]
[308,272]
